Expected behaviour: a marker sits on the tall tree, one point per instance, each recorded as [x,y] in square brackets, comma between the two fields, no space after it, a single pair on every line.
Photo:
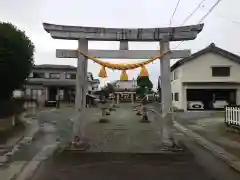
[16,59]
[110,88]
[144,85]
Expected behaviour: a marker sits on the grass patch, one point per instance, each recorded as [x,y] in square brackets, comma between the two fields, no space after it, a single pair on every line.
[222,130]
[218,114]
[235,152]
[228,132]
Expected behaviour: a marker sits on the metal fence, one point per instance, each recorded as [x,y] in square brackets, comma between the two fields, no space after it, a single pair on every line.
[232,115]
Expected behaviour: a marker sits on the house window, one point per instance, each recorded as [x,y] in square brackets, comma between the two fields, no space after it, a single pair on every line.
[54,75]
[175,74]
[28,92]
[70,75]
[37,75]
[176,96]
[220,71]
[35,93]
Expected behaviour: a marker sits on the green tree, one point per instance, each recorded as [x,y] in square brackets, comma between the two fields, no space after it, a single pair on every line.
[144,82]
[109,89]
[16,59]
[144,85]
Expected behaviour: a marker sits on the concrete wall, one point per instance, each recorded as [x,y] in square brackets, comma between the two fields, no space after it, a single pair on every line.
[238,96]
[199,69]
[7,123]
[176,86]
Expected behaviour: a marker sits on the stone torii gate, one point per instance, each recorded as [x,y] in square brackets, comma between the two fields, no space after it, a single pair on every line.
[85,34]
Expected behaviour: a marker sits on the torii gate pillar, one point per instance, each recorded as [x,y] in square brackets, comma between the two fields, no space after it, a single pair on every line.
[81,84]
[166,92]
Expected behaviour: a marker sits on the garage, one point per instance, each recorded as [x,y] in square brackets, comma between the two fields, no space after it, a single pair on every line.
[210,99]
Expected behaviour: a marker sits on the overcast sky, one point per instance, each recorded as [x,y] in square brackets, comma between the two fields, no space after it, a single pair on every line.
[221,26]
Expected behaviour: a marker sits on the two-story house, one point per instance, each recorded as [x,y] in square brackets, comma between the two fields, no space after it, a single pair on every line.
[208,75]
[48,80]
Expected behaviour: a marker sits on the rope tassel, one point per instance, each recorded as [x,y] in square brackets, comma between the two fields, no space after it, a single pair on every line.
[143,72]
[102,73]
[124,76]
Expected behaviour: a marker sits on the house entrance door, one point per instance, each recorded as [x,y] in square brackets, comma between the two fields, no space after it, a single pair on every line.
[52,93]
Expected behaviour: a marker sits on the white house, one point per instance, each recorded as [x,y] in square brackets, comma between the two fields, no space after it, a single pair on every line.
[129,84]
[208,75]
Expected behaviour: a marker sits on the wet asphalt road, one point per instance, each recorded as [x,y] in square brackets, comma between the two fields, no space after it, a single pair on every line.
[113,161]
[214,166]
[194,163]
[128,165]
[53,126]
[118,166]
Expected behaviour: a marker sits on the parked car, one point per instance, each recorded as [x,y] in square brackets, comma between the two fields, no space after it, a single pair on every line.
[195,105]
[220,104]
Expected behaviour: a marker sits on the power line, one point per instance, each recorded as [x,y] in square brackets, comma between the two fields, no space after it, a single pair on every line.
[232,21]
[176,7]
[189,16]
[226,18]
[204,17]
[193,12]
[210,10]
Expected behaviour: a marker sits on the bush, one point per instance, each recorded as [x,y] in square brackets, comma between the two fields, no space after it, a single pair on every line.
[6,108]
[11,107]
